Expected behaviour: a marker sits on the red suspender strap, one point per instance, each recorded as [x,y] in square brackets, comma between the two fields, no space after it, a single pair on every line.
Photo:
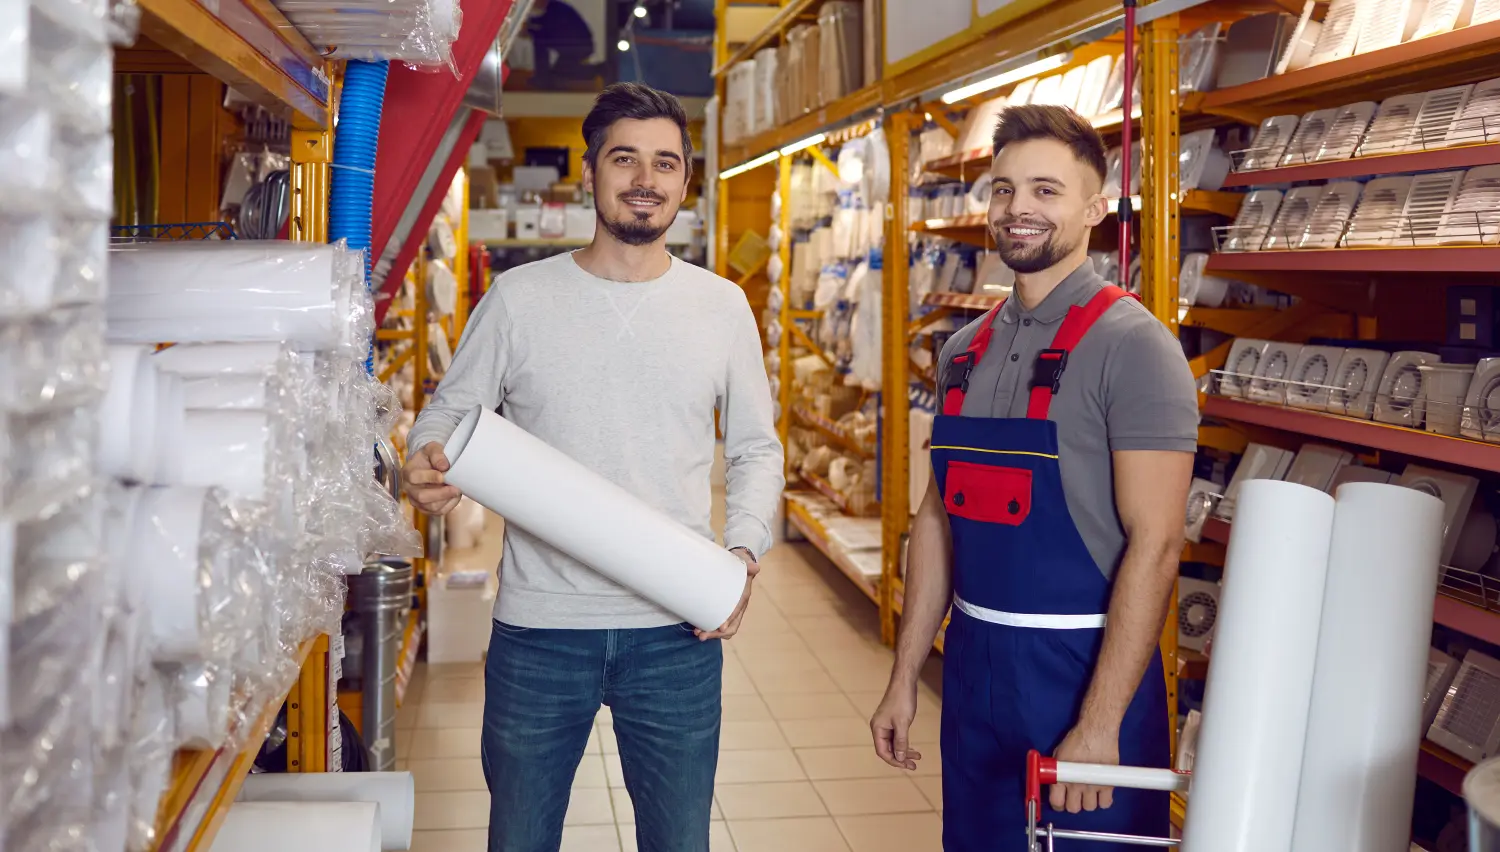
[964,363]
[1051,362]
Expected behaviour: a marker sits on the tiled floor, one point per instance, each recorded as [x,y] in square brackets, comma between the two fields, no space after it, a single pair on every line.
[797,772]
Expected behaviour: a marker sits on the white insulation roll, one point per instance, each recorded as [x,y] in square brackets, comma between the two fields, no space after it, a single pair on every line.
[227,449]
[212,359]
[395,792]
[221,291]
[203,697]
[298,826]
[127,417]
[541,490]
[1255,705]
[1365,726]
[168,525]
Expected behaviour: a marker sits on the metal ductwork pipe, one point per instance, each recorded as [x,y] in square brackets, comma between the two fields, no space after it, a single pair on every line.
[380,597]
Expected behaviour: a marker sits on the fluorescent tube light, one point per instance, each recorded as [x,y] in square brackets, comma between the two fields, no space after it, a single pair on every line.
[1031,69]
[805,143]
[756,163]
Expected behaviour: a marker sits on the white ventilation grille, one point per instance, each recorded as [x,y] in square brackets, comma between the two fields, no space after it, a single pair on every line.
[1095,78]
[1356,382]
[1275,368]
[1401,400]
[1242,365]
[1466,724]
[1431,196]
[1197,612]
[1331,215]
[1306,142]
[1200,164]
[1474,217]
[1298,50]
[1346,131]
[1439,108]
[1250,227]
[1340,32]
[1479,120]
[1440,16]
[1393,125]
[1290,226]
[1048,90]
[1386,24]
[1270,143]
[1071,88]
[1312,377]
[1377,219]
[1484,12]
[1200,58]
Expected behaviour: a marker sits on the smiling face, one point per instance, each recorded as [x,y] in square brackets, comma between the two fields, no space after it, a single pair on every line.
[639,179]
[1044,203]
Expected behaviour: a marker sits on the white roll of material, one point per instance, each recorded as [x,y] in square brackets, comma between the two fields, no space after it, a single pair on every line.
[541,490]
[232,392]
[1365,726]
[127,417]
[212,359]
[289,826]
[202,708]
[395,792]
[213,291]
[226,449]
[171,428]
[169,522]
[1250,748]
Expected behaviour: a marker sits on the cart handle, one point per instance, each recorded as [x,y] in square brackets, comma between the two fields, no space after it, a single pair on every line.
[1042,771]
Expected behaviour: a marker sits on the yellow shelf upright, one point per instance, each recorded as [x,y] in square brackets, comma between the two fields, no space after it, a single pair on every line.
[312,159]
[1161,193]
[895,466]
[784,284]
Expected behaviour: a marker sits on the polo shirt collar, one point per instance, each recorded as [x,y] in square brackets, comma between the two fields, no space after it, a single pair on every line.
[1076,289]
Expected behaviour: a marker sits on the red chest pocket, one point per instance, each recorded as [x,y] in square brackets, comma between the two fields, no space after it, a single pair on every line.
[992,495]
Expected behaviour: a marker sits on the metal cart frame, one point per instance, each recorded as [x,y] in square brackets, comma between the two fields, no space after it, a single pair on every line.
[1046,771]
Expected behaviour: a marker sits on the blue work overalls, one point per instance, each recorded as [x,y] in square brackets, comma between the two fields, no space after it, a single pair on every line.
[1028,618]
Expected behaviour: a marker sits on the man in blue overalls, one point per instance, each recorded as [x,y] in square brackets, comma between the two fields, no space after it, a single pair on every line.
[1053,525]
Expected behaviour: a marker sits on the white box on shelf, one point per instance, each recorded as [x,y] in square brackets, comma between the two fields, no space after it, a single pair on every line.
[488,225]
[580,223]
[529,223]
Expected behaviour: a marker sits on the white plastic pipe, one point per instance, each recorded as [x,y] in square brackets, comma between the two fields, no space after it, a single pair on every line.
[1365,727]
[541,490]
[395,792]
[1128,777]
[320,826]
[1255,707]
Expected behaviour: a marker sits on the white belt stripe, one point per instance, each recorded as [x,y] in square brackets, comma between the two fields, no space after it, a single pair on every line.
[1027,619]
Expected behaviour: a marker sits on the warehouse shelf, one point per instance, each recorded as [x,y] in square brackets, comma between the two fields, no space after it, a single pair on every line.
[840,112]
[830,430]
[1454,259]
[1461,56]
[1460,157]
[1179,810]
[974,229]
[249,45]
[803,511]
[1442,767]
[787,16]
[1462,452]
[205,783]
[962,301]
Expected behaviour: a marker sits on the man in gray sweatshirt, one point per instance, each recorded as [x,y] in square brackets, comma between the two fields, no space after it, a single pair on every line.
[619,355]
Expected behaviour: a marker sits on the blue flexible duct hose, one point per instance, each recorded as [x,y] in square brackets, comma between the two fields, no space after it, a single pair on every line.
[352,194]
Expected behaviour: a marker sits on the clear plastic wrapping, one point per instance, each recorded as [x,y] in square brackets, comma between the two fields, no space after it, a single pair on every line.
[52,362]
[417,32]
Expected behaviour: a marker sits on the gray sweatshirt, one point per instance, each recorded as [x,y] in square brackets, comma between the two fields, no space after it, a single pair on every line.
[625,378]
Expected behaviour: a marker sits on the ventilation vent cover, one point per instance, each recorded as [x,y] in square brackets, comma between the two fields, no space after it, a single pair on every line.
[1290,226]
[1242,365]
[1474,217]
[1275,368]
[1250,227]
[1197,612]
[1393,125]
[1439,109]
[1340,31]
[1482,407]
[1095,78]
[1270,143]
[1346,131]
[1400,400]
[1298,50]
[1114,87]
[1312,377]
[1200,59]
[1200,164]
[1306,142]
[1356,382]
[1440,16]
[1387,24]
[1484,12]
[1479,120]
[1430,198]
[1331,215]
[1377,219]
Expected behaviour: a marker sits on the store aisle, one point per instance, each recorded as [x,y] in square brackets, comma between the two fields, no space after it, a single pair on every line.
[796,769]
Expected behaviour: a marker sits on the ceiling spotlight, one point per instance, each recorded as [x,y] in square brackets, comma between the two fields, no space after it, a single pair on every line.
[623,45]
[640,11]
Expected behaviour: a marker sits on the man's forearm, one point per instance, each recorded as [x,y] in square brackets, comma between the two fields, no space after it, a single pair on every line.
[929,592]
[1137,614]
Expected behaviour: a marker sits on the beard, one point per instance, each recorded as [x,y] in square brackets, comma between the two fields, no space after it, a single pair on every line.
[1028,258]
[634,227]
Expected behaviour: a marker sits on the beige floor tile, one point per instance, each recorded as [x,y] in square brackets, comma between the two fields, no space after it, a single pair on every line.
[742,736]
[834,764]
[439,715]
[718,838]
[597,735]
[589,806]
[447,775]
[434,743]
[590,838]
[738,683]
[452,690]
[783,663]
[784,640]
[795,683]
[441,811]
[751,767]
[893,833]
[792,707]
[821,733]
[745,708]
[464,840]
[406,716]
[467,671]
[801,834]
[769,801]
[861,678]
[605,716]
[614,771]
[590,772]
[403,743]
[932,788]
[860,796]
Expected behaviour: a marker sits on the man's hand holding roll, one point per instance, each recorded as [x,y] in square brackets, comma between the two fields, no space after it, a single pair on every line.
[423,478]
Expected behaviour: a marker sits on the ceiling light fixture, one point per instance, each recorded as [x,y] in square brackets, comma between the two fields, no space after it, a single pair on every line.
[810,141]
[1031,69]
[768,157]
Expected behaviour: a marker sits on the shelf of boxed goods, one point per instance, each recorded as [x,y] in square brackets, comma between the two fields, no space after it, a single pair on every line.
[807,512]
[205,783]
[1452,259]
[786,17]
[973,228]
[1460,56]
[247,44]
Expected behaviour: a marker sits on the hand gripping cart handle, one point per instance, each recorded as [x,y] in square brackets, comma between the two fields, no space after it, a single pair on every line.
[1045,770]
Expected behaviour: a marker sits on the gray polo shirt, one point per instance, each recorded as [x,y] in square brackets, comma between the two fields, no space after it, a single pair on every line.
[1127,386]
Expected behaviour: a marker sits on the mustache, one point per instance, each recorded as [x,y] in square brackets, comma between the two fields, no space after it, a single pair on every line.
[642,194]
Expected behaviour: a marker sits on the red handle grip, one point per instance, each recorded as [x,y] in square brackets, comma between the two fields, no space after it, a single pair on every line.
[1039,770]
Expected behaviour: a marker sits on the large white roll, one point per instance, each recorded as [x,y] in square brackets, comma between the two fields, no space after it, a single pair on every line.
[297,826]
[212,359]
[236,392]
[393,791]
[127,417]
[171,429]
[227,449]
[541,490]
[1365,726]
[222,291]
[169,523]
[1256,703]
[202,710]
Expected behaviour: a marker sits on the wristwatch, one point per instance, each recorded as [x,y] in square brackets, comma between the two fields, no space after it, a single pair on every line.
[748,553]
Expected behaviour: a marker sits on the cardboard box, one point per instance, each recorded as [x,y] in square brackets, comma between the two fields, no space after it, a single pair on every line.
[483,188]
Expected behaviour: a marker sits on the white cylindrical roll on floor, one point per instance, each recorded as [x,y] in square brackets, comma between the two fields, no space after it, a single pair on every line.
[300,827]
[395,792]
[1255,707]
[222,291]
[1365,726]
[541,490]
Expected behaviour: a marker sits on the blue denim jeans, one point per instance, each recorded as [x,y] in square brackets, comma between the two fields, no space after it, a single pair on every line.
[542,690]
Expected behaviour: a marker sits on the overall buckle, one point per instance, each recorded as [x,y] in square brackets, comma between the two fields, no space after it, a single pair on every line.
[1048,369]
[966,361]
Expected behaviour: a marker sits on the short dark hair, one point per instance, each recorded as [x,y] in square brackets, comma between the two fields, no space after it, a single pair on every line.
[1040,121]
[633,101]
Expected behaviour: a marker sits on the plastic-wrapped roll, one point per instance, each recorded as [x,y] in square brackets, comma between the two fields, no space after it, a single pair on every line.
[223,291]
[228,449]
[324,826]
[165,552]
[1365,727]
[541,490]
[210,359]
[234,392]
[127,418]
[1250,748]
[171,429]
[202,706]
[395,792]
